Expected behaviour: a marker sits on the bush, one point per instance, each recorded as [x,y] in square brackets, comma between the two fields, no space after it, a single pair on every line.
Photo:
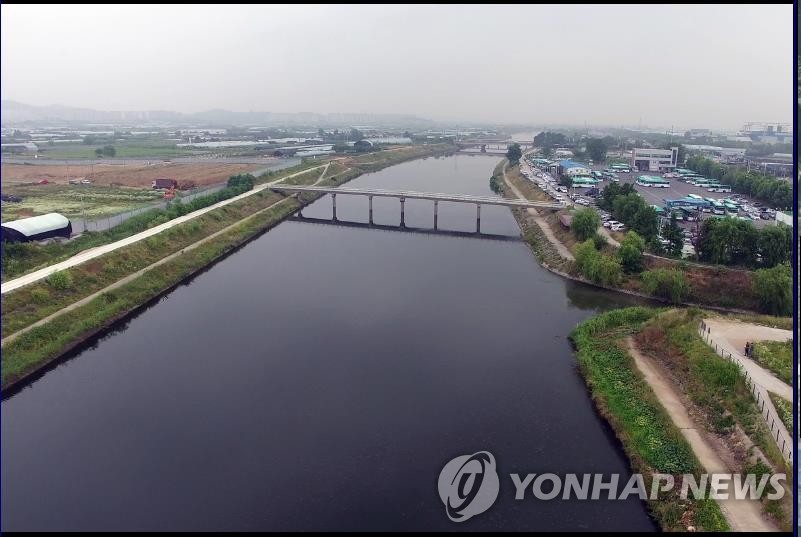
[666,283]
[630,252]
[773,286]
[61,280]
[595,266]
[585,223]
[599,241]
[40,296]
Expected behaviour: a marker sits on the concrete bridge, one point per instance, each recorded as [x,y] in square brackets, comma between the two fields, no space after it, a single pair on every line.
[403,195]
[492,146]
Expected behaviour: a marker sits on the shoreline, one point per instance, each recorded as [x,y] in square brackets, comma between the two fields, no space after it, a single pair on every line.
[188,265]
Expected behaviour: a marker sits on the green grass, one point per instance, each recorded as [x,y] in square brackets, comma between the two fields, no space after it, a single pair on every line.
[21,258]
[712,382]
[785,410]
[74,201]
[776,356]
[651,440]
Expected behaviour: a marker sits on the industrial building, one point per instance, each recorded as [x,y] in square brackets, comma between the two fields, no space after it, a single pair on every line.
[36,228]
[654,160]
[570,168]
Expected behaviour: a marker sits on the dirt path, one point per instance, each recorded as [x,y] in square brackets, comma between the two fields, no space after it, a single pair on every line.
[546,229]
[742,515]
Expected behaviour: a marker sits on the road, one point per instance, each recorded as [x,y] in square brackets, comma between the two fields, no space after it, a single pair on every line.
[92,253]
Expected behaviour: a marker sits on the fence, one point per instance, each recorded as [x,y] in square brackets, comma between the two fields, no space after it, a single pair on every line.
[765,405]
[80,225]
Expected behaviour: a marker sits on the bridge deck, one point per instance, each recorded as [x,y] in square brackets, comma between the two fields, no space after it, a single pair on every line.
[433,196]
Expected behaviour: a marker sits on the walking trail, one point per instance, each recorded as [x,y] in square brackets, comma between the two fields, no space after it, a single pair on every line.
[546,229]
[742,515]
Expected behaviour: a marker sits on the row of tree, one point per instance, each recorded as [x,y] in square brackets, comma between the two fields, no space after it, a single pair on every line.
[730,241]
[776,192]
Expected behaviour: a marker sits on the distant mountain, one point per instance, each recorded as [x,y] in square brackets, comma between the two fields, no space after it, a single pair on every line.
[16,113]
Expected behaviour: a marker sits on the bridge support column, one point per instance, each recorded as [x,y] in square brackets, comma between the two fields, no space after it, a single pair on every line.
[478,218]
[334,202]
[403,213]
[371,208]
[436,204]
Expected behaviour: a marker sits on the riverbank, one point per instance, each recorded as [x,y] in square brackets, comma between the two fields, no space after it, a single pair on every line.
[39,346]
[650,439]
[717,395]
[716,288]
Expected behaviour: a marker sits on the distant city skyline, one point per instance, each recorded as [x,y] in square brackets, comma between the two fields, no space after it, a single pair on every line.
[699,67]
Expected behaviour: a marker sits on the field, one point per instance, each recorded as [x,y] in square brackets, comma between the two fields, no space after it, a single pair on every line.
[114,188]
[121,174]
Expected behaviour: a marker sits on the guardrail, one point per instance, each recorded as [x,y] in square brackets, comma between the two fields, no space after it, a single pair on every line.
[760,394]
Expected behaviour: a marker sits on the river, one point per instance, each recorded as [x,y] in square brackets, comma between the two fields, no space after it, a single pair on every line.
[320,378]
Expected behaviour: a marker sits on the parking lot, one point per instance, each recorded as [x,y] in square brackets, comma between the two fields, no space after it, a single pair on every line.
[677,190]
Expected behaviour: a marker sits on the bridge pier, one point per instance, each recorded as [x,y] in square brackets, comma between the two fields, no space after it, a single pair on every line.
[403,214]
[370,198]
[334,204]
[436,204]
[478,218]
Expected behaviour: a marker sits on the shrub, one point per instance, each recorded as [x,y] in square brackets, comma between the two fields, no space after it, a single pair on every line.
[599,241]
[666,283]
[61,280]
[773,286]
[630,252]
[40,296]
[585,223]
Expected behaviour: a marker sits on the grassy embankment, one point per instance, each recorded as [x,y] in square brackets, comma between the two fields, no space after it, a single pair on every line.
[34,302]
[142,148]
[706,285]
[543,249]
[776,356]
[651,440]
[20,259]
[717,392]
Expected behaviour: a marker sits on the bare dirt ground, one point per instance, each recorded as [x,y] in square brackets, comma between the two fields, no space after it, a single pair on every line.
[118,174]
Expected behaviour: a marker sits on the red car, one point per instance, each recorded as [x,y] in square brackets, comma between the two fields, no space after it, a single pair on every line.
[44,182]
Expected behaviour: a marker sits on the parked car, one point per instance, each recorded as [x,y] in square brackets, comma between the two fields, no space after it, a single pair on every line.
[86,182]
[44,182]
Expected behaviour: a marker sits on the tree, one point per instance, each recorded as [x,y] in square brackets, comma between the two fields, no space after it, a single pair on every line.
[321,133]
[597,148]
[672,233]
[775,245]
[585,223]
[546,152]
[99,152]
[88,140]
[513,153]
[356,134]
[630,252]
[774,287]
[109,151]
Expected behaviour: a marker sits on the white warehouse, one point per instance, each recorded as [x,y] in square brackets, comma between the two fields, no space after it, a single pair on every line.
[654,160]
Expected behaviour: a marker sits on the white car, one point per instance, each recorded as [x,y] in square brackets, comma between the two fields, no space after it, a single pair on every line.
[617,227]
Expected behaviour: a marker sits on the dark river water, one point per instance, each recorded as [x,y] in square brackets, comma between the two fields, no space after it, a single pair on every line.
[320,378]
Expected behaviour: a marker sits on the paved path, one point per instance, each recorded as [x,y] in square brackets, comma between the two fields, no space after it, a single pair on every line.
[728,339]
[733,335]
[92,253]
[546,229]
[742,515]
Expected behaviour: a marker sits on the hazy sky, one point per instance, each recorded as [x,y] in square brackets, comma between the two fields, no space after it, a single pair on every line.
[683,65]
